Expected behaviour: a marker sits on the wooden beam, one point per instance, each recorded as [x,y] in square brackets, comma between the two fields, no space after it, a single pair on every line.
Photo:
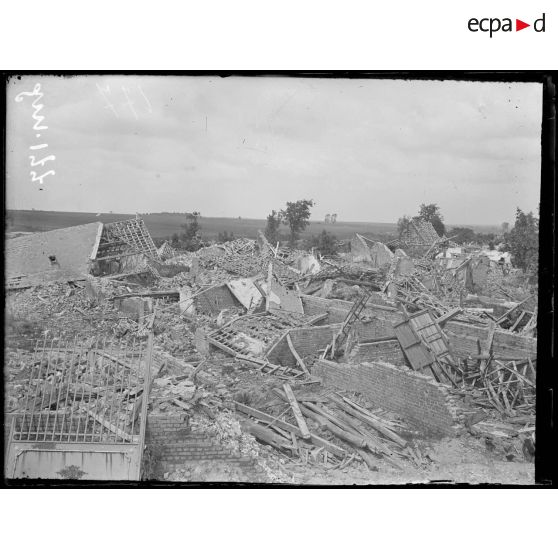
[316,440]
[362,414]
[147,294]
[265,435]
[316,319]
[515,307]
[118,256]
[512,328]
[297,412]
[296,355]
[222,346]
[448,316]
[269,281]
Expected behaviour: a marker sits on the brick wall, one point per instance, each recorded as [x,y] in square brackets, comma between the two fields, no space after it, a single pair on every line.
[172,445]
[463,339]
[381,317]
[310,340]
[306,341]
[384,351]
[462,336]
[417,398]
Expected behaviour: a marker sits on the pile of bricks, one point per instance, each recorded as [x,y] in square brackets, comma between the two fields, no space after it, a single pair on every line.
[172,445]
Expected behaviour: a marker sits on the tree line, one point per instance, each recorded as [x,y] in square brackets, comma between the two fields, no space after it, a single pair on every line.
[522,241]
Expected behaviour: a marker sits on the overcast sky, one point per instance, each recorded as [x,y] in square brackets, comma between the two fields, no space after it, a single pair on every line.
[368,150]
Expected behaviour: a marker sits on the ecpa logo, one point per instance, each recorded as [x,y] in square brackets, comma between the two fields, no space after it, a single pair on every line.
[494,24]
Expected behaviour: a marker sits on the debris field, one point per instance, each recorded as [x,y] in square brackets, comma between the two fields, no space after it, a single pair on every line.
[245,362]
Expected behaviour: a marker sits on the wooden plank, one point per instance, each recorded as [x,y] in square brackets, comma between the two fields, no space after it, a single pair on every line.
[358,441]
[269,281]
[505,315]
[147,294]
[297,412]
[512,328]
[296,355]
[364,415]
[223,347]
[295,442]
[490,340]
[316,440]
[315,319]
[513,371]
[265,435]
[353,439]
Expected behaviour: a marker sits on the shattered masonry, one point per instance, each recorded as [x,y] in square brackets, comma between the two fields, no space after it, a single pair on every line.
[256,363]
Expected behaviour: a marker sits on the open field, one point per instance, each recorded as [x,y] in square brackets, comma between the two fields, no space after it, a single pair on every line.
[161,225]
[165,224]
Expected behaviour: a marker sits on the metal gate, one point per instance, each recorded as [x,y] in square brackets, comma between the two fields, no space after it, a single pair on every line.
[84,412]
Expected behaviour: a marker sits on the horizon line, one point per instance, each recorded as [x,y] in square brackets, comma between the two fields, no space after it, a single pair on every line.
[100,213]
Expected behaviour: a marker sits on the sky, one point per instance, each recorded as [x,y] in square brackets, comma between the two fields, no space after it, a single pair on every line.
[368,150]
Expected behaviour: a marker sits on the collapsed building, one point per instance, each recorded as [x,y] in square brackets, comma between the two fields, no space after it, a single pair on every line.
[250,360]
[73,253]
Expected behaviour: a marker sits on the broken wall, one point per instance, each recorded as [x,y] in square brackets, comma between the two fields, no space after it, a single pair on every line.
[388,350]
[416,398]
[73,248]
[306,341]
[462,336]
[215,299]
[380,255]
[171,445]
[360,252]
[463,341]
[289,300]
[381,318]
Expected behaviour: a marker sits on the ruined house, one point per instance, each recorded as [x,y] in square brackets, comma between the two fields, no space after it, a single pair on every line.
[418,236]
[123,246]
[72,253]
[365,250]
[52,256]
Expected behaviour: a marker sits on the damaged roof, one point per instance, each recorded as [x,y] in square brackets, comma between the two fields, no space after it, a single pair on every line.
[58,255]
[419,231]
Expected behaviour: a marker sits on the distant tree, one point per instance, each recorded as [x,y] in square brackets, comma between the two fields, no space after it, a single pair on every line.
[431,213]
[225,236]
[462,235]
[485,238]
[505,227]
[272,227]
[325,243]
[175,240]
[297,217]
[523,241]
[190,238]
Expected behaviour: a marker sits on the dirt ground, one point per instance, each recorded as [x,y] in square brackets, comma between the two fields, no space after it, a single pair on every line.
[460,460]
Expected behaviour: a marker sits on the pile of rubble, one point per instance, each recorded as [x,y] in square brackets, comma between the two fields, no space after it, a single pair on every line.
[238,330]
